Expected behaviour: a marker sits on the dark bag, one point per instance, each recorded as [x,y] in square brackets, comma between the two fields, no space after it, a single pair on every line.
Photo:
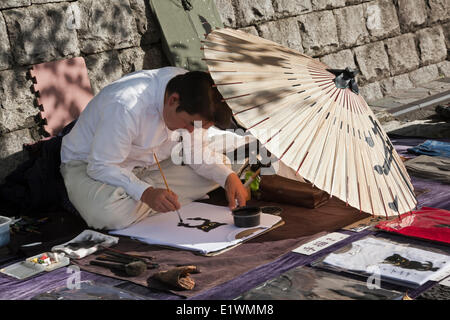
[283,190]
[36,185]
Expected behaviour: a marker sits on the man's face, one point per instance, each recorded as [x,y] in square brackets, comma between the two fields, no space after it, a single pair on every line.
[180,120]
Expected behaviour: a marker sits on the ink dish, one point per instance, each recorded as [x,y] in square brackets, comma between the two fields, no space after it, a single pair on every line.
[247,216]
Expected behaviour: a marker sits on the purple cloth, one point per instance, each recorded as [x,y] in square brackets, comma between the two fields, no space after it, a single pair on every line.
[432,194]
[257,276]
[402,145]
[14,289]
[435,195]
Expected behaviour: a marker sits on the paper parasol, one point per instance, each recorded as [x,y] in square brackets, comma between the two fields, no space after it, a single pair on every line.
[312,118]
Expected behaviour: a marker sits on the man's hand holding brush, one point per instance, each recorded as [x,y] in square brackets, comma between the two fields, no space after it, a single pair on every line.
[161,200]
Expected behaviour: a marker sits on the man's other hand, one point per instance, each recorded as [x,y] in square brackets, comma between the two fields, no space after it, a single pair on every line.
[160,200]
[235,190]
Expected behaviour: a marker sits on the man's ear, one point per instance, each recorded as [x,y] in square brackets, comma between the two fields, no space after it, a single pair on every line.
[174,99]
[208,124]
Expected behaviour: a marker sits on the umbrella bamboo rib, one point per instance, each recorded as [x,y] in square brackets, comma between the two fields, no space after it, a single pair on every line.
[318,164]
[369,160]
[337,145]
[308,120]
[309,113]
[359,174]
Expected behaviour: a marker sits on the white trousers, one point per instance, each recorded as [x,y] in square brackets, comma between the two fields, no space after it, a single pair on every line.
[103,206]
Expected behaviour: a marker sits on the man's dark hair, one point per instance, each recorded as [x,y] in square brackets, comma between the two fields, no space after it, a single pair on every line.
[198,96]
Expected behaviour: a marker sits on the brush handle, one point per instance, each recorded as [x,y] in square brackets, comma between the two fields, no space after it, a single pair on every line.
[160,170]
[119,253]
[122,256]
[150,265]
[167,186]
[250,180]
[114,259]
[120,267]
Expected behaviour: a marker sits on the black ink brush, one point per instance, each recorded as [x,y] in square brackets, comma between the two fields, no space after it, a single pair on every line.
[133,269]
[167,186]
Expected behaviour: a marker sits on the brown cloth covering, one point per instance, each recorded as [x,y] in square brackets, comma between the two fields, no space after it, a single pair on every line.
[301,225]
[284,190]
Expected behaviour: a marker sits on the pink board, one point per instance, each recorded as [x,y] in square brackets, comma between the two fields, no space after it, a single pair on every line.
[63,90]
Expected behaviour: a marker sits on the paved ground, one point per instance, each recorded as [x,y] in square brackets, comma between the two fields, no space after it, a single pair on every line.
[412,111]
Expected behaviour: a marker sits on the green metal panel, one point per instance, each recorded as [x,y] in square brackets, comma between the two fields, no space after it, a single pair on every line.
[183,25]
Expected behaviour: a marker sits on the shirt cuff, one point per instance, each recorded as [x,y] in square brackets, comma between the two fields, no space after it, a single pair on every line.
[221,174]
[136,188]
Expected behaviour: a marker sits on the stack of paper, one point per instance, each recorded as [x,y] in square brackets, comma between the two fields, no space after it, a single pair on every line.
[208,228]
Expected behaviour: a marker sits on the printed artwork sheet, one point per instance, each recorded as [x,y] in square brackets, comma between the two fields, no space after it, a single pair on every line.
[394,262]
[206,228]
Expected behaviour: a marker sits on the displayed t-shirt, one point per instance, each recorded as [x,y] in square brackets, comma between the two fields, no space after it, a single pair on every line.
[427,223]
[392,262]
[205,228]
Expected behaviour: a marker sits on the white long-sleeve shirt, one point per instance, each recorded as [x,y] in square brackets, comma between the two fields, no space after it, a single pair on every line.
[122,127]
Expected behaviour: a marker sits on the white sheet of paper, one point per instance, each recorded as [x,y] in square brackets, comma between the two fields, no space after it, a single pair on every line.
[440,276]
[445,282]
[163,229]
[368,256]
[320,243]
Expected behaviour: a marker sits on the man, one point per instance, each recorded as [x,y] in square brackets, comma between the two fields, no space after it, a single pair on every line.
[107,160]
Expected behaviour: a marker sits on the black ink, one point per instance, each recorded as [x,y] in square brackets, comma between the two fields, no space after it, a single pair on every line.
[399,261]
[387,146]
[369,141]
[378,169]
[85,243]
[388,160]
[394,204]
[206,226]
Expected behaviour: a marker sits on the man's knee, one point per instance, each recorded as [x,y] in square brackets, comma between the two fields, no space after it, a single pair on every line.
[107,221]
[102,206]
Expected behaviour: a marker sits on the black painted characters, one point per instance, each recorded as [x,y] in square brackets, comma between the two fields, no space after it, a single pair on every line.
[399,261]
[206,226]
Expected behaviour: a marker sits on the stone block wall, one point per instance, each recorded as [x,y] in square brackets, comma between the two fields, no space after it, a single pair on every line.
[394,43]
[115,37]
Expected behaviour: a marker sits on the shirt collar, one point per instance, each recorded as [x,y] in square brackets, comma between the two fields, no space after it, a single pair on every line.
[171,72]
[160,101]
[165,75]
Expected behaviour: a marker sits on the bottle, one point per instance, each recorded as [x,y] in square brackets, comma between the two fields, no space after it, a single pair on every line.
[254,185]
